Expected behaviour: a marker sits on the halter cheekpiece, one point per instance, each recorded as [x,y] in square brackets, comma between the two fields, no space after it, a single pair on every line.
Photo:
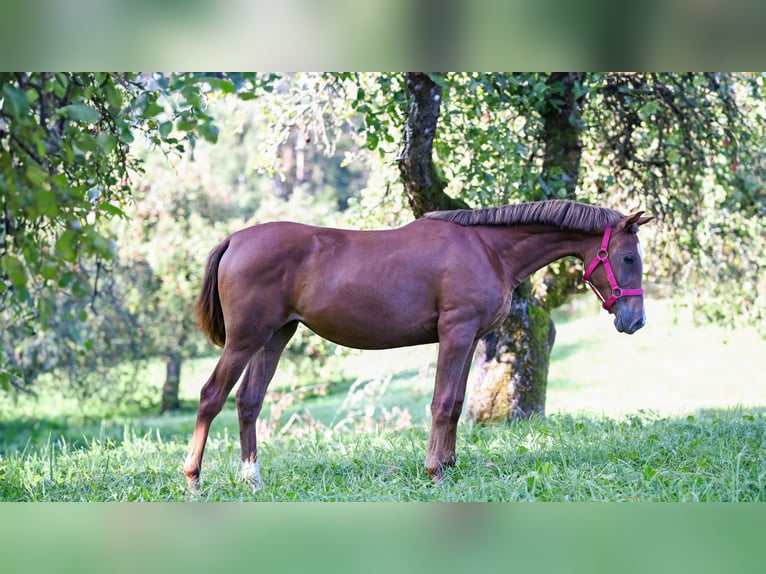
[602,257]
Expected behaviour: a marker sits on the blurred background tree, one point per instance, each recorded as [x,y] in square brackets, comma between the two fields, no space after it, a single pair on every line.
[65,172]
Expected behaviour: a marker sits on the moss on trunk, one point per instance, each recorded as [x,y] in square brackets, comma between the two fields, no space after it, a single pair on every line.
[512,363]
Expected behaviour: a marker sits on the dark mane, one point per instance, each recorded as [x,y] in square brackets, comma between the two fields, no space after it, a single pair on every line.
[559,212]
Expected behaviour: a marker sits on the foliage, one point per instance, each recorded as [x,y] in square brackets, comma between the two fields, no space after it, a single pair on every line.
[65,171]
[89,345]
[181,208]
[688,148]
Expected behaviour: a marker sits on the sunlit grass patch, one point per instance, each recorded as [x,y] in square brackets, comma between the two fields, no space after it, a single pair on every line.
[715,456]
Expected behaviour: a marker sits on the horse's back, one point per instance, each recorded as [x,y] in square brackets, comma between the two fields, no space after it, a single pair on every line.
[367,289]
[283,243]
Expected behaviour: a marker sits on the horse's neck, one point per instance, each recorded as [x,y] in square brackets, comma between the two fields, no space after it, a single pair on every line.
[526,249]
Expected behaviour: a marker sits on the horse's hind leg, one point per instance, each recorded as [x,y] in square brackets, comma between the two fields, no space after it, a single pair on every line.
[212,398]
[260,371]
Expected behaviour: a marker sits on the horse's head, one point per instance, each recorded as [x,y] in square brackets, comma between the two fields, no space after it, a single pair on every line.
[614,273]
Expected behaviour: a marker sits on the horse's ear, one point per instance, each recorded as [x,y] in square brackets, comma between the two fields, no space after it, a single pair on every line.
[635,219]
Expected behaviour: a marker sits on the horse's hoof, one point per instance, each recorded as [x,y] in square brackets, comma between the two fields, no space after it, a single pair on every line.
[436,473]
[193,484]
[251,474]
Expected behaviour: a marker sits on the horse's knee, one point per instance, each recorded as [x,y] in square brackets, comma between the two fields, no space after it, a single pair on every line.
[440,412]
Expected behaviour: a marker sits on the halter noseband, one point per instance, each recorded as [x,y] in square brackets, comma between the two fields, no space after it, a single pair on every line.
[603,257]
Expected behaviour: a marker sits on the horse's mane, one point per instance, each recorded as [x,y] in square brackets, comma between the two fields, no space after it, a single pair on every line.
[559,212]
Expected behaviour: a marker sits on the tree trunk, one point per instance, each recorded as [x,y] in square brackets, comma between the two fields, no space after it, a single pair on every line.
[512,362]
[422,184]
[170,400]
[561,134]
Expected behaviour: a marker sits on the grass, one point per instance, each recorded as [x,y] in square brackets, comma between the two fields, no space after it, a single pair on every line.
[673,413]
[714,457]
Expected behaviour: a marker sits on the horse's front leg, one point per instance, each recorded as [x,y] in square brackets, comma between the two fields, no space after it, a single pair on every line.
[456,348]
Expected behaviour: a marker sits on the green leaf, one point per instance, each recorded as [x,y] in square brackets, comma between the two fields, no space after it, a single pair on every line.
[372,140]
[113,210]
[14,268]
[127,135]
[152,109]
[209,132]
[106,141]
[439,80]
[49,271]
[46,202]
[165,129]
[226,86]
[113,94]
[36,174]
[44,310]
[186,125]
[59,180]
[82,113]
[15,101]
[645,112]
[85,142]
[66,279]
[66,245]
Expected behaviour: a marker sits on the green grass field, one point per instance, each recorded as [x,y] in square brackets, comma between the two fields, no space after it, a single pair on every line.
[674,412]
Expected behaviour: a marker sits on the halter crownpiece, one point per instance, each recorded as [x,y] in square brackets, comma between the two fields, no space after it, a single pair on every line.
[602,257]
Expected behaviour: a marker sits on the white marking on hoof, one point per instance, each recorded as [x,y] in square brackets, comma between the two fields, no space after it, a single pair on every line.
[251,473]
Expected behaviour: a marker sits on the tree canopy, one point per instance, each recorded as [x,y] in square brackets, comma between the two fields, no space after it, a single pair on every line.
[67,171]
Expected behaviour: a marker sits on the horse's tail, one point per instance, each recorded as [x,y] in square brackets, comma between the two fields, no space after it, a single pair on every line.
[208,311]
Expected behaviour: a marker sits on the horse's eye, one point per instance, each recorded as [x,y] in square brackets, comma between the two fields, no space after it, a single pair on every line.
[628,259]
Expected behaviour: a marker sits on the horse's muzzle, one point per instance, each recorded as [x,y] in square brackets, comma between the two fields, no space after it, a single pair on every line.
[629,327]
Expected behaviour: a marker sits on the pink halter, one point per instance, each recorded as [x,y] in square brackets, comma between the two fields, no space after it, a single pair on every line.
[603,257]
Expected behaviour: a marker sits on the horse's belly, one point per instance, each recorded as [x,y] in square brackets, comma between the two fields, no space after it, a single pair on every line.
[372,326]
[374,339]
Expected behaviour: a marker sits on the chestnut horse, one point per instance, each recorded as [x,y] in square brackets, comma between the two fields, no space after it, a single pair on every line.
[446,277]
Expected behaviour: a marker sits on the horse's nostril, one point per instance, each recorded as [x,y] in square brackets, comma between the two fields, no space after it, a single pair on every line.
[637,324]
[623,326]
